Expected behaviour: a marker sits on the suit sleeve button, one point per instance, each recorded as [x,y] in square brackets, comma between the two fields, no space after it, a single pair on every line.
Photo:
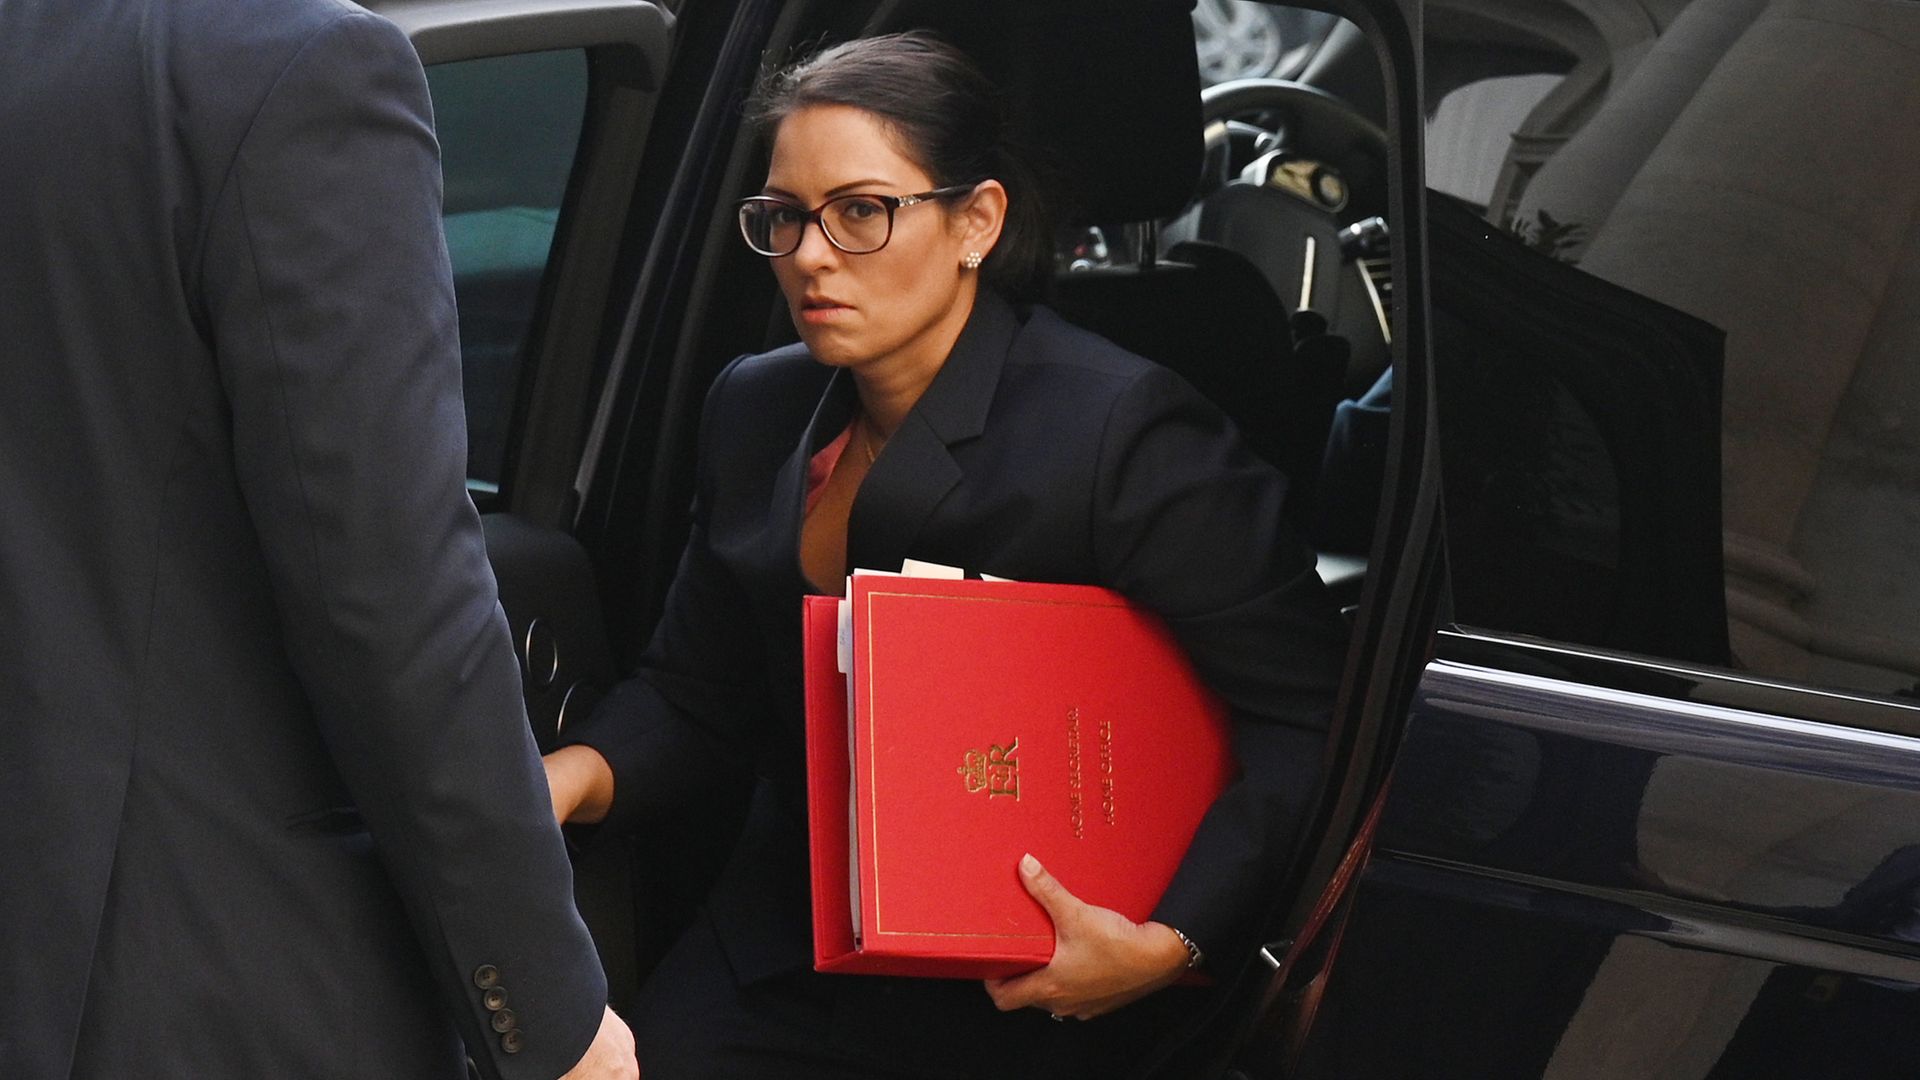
[486,976]
[495,998]
[503,1021]
[513,1041]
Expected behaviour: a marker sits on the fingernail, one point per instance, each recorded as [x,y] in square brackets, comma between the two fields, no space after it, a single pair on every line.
[1029,865]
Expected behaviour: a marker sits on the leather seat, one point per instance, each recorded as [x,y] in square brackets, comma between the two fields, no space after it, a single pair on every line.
[1208,313]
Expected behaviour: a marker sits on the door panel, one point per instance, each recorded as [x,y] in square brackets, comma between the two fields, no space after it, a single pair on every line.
[541,107]
[447,30]
[1596,866]
[553,611]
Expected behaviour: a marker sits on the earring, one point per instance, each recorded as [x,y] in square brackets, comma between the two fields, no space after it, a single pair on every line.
[973,260]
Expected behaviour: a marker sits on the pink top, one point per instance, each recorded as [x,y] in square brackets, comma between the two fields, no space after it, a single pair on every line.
[822,465]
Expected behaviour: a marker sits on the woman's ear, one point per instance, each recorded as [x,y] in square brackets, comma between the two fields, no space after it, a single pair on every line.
[982,216]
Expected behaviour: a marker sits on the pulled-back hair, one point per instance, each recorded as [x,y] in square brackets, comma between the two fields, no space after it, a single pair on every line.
[947,117]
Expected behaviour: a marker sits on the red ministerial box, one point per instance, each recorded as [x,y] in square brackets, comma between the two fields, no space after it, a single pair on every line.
[991,719]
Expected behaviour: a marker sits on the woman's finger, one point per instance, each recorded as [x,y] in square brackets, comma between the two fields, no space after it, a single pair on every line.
[1061,906]
[1018,992]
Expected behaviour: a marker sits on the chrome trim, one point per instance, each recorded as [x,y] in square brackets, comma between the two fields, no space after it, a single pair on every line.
[560,719]
[1373,295]
[1272,951]
[1306,273]
[1726,675]
[540,680]
[1647,704]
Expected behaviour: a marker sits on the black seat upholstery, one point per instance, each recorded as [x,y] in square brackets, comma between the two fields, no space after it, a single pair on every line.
[1209,314]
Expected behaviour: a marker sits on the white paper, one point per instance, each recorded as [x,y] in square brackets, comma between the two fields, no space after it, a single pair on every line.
[921,569]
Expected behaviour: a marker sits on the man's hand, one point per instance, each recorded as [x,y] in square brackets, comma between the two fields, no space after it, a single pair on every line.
[611,1055]
[580,783]
[1101,959]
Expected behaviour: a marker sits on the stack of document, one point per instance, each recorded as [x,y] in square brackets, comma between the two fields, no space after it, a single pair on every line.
[954,725]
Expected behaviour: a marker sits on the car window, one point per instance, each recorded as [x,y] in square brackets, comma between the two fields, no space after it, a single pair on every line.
[1689,171]
[1472,129]
[509,128]
[1246,39]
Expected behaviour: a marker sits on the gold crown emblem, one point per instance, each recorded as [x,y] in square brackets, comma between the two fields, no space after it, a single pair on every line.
[995,771]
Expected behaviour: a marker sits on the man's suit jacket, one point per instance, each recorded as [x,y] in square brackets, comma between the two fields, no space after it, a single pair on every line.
[270,804]
[1039,452]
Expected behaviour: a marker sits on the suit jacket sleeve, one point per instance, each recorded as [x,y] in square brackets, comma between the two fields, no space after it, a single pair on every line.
[696,713]
[328,296]
[1188,523]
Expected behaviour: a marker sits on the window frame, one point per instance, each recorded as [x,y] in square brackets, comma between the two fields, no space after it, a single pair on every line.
[627,43]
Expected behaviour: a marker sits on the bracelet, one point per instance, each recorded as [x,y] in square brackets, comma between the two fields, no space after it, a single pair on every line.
[1194,956]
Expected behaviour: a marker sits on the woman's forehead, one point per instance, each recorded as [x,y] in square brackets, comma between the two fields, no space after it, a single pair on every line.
[820,149]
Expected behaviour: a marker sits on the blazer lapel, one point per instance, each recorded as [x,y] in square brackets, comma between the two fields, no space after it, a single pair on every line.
[789,504]
[916,468]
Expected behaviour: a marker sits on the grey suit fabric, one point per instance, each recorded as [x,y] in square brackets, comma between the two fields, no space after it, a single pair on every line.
[1040,452]
[269,799]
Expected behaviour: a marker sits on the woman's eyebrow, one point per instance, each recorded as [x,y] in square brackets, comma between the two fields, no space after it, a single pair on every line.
[780,192]
[844,188]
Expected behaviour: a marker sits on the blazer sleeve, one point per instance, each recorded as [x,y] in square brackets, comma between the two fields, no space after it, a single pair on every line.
[329,303]
[1188,523]
[696,712]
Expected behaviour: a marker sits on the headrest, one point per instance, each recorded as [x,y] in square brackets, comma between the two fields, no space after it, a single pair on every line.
[1104,93]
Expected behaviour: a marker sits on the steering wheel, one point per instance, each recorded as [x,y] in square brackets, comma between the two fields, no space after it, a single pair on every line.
[1250,119]
[1291,173]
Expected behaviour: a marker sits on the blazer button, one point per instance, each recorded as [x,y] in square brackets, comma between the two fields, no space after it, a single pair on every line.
[486,976]
[503,1021]
[513,1041]
[495,998]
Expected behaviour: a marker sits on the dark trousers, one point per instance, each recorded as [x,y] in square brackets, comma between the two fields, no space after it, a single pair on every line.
[693,1021]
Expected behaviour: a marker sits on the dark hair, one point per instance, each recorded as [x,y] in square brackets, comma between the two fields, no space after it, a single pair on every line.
[949,119]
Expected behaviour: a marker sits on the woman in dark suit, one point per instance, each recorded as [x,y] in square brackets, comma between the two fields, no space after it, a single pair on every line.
[927,414]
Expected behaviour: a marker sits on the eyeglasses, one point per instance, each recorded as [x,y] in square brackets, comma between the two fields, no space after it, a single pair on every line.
[857,224]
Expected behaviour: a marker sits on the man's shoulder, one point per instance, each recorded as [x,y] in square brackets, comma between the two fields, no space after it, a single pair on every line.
[277,26]
[227,58]
[212,58]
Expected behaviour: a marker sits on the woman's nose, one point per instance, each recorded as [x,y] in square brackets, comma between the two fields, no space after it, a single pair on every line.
[815,249]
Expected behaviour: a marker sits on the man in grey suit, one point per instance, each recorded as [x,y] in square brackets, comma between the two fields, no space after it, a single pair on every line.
[269,807]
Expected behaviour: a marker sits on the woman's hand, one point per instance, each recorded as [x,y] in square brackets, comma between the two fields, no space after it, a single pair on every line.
[1101,959]
[580,782]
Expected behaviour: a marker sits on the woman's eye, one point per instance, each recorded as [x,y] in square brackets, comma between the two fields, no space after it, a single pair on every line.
[785,215]
[863,210]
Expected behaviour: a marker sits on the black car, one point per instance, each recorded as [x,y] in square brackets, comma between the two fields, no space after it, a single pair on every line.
[1587,331]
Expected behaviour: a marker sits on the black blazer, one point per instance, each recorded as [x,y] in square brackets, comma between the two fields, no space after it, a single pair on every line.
[1040,452]
[270,800]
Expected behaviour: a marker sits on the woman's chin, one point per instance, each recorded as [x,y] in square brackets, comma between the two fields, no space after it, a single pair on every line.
[831,346]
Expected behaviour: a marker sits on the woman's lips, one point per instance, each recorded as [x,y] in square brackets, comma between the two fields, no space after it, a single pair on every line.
[820,312]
